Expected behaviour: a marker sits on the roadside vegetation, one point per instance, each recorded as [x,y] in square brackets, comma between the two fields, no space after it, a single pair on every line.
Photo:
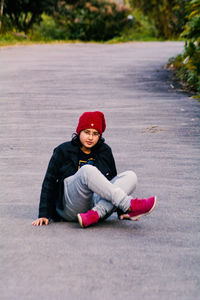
[187,64]
[106,21]
[94,20]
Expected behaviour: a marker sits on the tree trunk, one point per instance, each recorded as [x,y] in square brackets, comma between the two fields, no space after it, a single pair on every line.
[1,12]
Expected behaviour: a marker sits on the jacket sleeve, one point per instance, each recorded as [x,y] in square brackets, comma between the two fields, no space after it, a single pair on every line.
[50,185]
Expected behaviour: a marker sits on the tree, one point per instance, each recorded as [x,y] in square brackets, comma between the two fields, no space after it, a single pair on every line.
[1,12]
[23,14]
[187,64]
[169,15]
[97,20]
[191,56]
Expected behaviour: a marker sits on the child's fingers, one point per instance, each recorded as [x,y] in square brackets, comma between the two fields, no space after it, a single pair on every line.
[34,223]
[124,216]
[46,221]
[127,217]
[39,222]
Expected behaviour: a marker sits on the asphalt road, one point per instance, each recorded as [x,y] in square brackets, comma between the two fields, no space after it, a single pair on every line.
[153,128]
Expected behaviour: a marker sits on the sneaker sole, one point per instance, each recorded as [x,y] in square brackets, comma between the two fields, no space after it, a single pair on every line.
[80,220]
[139,216]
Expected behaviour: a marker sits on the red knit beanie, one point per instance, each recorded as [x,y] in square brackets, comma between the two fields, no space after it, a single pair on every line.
[92,119]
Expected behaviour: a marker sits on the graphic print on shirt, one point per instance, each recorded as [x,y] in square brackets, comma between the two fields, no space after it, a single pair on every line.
[85,159]
[90,161]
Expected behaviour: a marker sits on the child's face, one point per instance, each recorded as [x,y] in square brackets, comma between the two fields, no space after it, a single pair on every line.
[88,138]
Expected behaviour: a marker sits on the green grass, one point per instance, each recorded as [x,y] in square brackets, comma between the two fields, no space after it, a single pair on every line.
[9,40]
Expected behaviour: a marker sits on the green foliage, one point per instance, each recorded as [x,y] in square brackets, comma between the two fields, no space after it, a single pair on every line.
[140,28]
[91,20]
[11,39]
[187,65]
[48,30]
[98,20]
[192,28]
[169,15]
[22,14]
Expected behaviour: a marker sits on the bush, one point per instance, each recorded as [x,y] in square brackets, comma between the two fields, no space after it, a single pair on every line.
[12,38]
[91,20]
[140,28]
[187,64]
[47,30]
[22,14]
[169,16]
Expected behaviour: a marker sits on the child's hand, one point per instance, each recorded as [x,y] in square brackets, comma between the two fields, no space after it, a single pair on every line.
[40,222]
[127,217]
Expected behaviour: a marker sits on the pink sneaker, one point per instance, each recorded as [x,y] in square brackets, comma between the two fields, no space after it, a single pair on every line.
[88,218]
[141,207]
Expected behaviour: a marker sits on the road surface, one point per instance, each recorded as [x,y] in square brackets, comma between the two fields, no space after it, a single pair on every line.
[153,128]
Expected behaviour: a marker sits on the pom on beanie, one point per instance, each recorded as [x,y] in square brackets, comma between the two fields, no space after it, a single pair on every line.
[92,119]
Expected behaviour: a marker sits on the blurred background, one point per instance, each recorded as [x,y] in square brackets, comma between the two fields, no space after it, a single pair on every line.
[40,21]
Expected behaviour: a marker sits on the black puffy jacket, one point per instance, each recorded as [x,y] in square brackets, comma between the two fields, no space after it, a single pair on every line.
[64,163]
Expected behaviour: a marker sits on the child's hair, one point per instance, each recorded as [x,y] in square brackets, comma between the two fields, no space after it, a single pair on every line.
[76,140]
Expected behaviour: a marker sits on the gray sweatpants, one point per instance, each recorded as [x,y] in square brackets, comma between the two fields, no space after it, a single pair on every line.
[89,189]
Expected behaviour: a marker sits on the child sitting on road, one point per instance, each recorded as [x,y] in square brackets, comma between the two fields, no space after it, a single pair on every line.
[81,183]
